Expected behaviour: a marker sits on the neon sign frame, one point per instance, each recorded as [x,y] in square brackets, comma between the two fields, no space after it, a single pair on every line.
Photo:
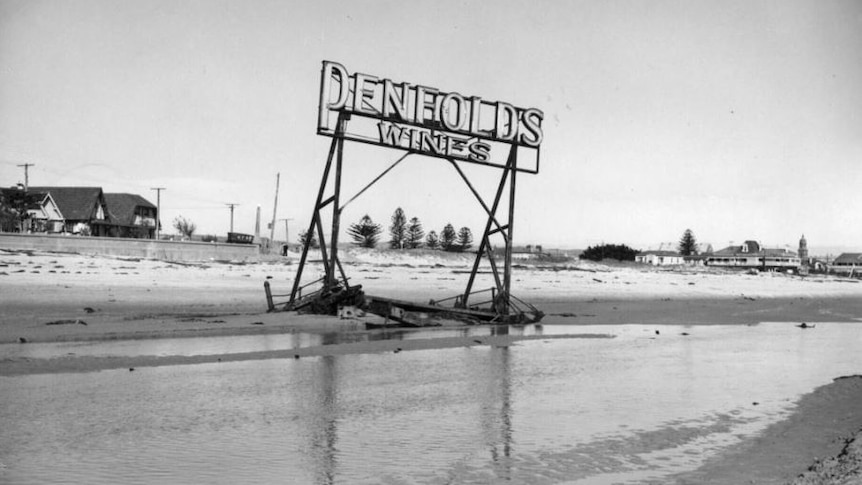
[425,120]
[421,120]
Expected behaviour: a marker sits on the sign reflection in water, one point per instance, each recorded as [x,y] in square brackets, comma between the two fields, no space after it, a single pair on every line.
[335,449]
[631,409]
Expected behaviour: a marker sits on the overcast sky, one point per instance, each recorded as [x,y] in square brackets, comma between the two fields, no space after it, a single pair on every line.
[738,120]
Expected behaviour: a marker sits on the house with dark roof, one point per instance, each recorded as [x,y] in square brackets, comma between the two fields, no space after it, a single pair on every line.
[43,213]
[849,263]
[131,216]
[751,255]
[39,209]
[82,210]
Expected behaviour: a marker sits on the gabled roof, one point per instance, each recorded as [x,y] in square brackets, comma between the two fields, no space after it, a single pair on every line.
[752,248]
[660,253]
[729,251]
[122,207]
[849,258]
[737,252]
[75,203]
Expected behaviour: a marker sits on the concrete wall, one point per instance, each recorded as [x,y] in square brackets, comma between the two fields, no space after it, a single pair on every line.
[134,248]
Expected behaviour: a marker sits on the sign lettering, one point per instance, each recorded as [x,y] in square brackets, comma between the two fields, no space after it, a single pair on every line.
[424,119]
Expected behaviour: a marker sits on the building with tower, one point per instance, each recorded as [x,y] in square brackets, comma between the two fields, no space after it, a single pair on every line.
[751,255]
[804,261]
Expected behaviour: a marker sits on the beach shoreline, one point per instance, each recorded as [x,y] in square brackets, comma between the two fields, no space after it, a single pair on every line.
[51,298]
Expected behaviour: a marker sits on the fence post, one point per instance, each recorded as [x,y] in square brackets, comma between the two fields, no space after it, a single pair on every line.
[269,304]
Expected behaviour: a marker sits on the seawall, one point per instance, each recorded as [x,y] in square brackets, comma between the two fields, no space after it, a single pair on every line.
[184,251]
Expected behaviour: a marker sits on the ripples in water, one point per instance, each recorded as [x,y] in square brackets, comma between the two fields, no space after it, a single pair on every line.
[638,408]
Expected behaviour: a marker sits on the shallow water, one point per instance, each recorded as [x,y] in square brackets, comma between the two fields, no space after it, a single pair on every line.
[637,408]
[253,343]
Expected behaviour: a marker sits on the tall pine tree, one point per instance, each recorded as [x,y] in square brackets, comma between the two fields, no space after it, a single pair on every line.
[432,241]
[465,239]
[447,238]
[415,234]
[365,233]
[687,244]
[398,230]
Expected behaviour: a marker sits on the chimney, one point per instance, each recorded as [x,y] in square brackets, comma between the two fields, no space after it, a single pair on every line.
[257,225]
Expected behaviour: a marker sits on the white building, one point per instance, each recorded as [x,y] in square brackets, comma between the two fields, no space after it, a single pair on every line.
[659,258]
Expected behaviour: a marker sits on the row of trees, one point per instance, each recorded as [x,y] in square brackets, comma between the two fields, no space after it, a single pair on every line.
[403,234]
[687,247]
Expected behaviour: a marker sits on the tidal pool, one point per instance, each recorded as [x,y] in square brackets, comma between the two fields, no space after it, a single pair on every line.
[641,407]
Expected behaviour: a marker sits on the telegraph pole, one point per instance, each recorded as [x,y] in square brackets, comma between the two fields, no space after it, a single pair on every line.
[158,209]
[231,215]
[26,174]
[274,208]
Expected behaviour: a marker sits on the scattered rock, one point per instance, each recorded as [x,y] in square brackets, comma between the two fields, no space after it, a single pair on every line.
[75,321]
[22,340]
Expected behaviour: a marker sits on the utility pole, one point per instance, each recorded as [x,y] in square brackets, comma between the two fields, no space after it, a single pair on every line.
[231,215]
[158,208]
[26,174]
[286,230]
[286,236]
[274,208]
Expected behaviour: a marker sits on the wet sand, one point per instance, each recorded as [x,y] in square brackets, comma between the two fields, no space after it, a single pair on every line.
[59,297]
[826,423]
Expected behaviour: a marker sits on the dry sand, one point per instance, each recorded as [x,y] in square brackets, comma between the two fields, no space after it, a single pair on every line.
[122,298]
[62,297]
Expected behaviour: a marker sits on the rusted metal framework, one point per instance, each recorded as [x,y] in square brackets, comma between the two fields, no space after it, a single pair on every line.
[334,288]
[330,283]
